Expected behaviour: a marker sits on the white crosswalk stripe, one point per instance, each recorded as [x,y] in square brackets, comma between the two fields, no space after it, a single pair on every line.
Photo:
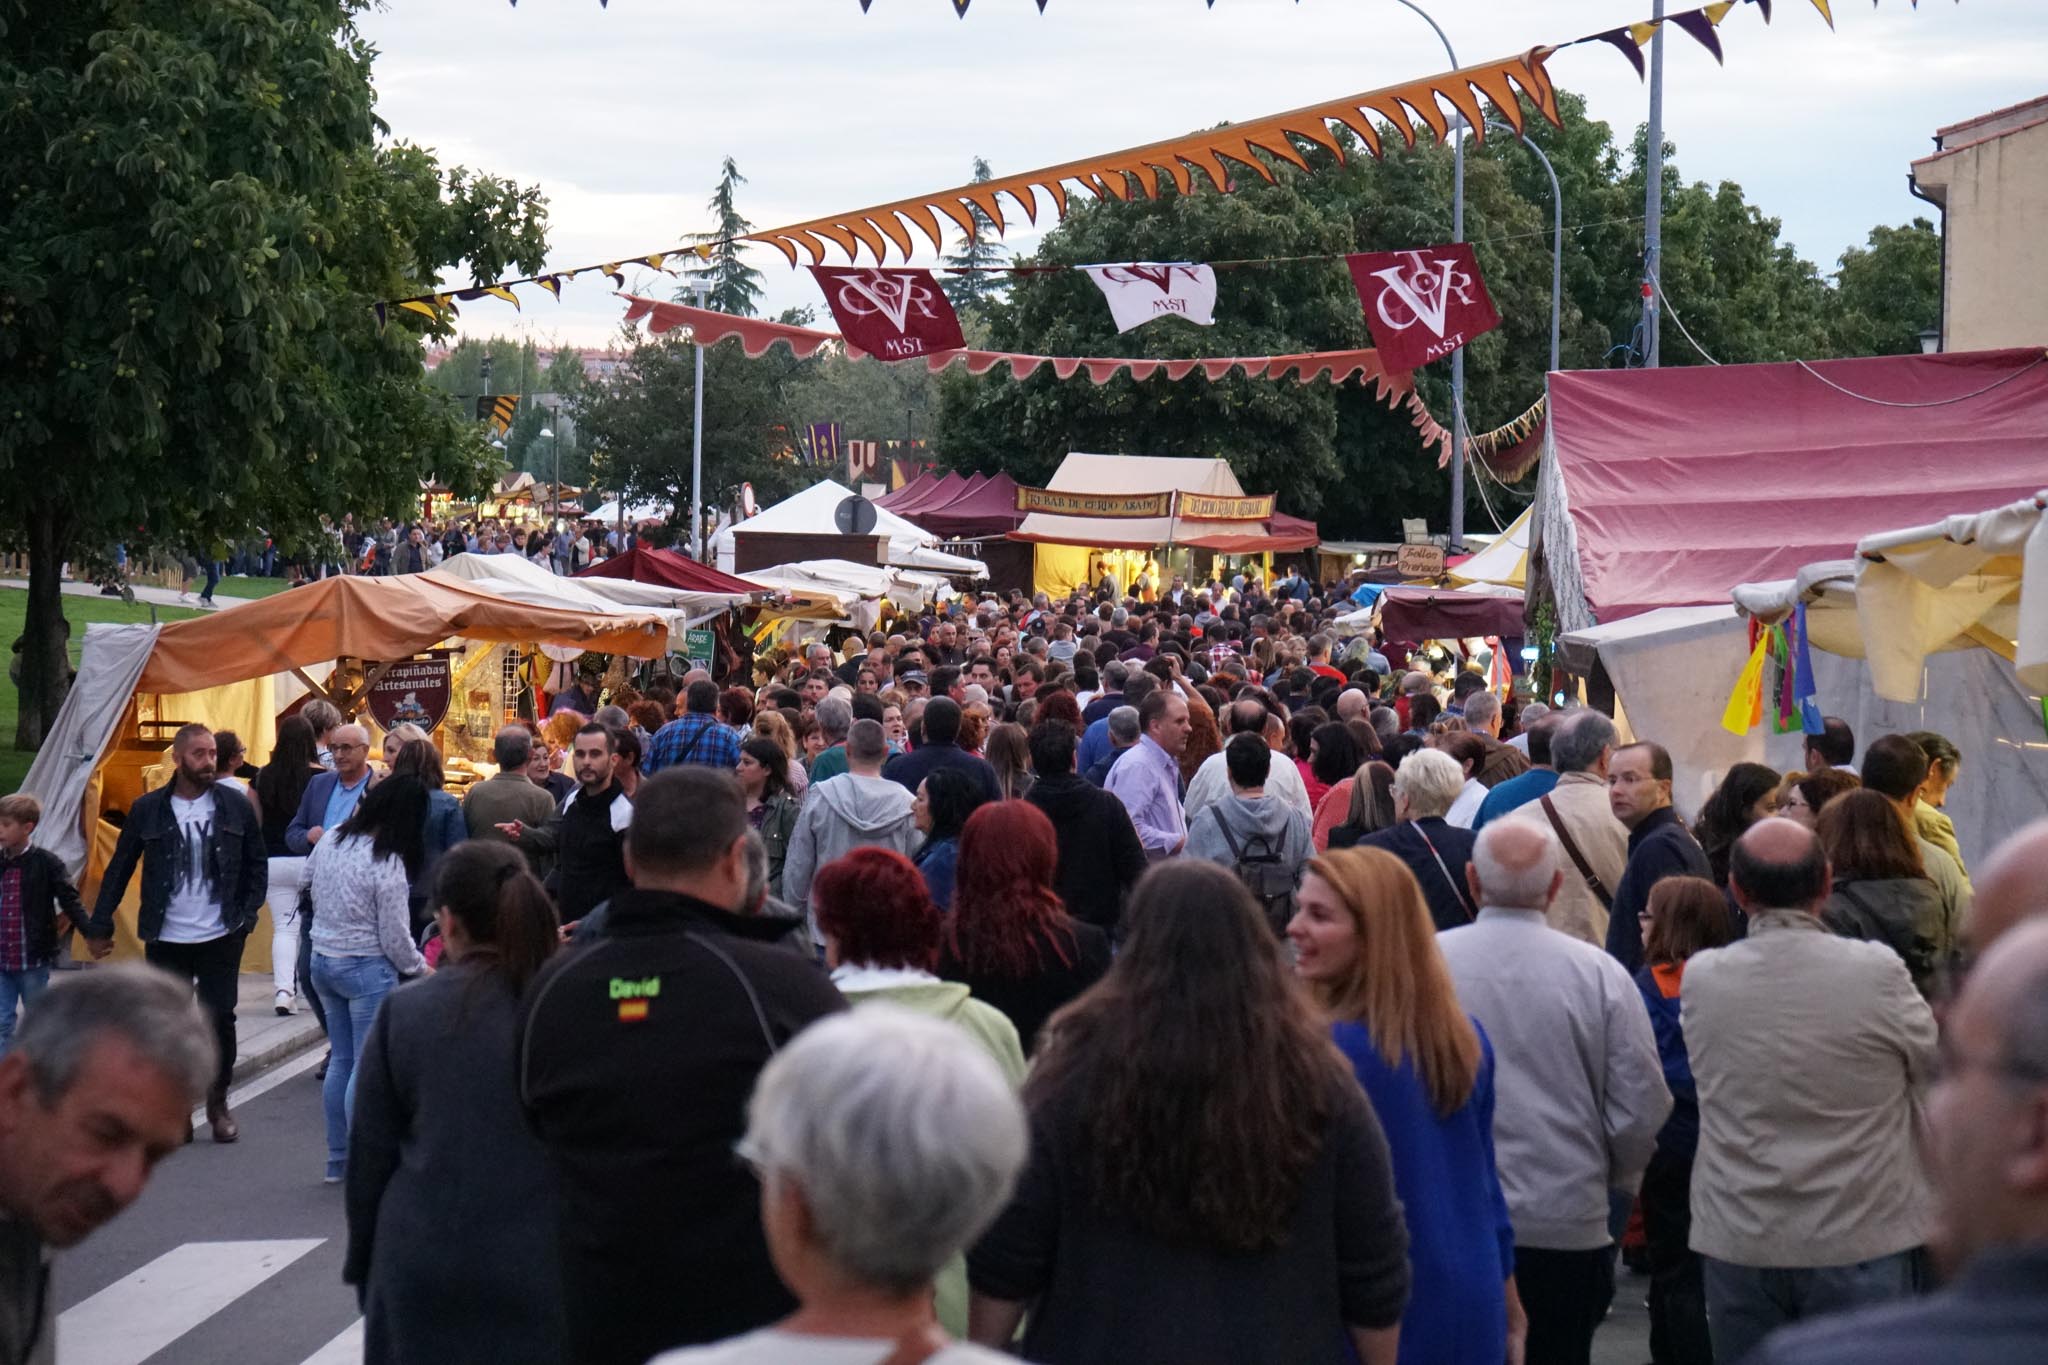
[346,1349]
[143,1312]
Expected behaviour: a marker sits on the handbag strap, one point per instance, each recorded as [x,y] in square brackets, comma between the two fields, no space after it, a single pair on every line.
[1571,847]
[1443,867]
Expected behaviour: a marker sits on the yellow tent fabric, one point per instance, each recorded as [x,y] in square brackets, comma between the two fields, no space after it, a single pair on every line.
[1505,562]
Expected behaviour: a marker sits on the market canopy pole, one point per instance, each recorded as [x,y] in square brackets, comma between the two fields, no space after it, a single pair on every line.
[1653,192]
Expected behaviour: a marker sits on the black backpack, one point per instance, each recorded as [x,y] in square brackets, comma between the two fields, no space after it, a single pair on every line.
[1258,864]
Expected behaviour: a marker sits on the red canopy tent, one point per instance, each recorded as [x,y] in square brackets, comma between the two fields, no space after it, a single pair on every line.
[1281,535]
[669,569]
[910,492]
[987,508]
[1668,487]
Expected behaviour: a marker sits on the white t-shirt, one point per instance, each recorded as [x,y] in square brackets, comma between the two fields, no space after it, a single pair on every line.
[770,1347]
[193,914]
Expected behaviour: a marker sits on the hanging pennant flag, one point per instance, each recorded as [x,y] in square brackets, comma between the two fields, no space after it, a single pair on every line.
[1144,290]
[890,314]
[820,442]
[1422,305]
[1631,46]
[497,410]
[1805,695]
[863,462]
[1746,701]
[553,284]
[1826,13]
[1700,24]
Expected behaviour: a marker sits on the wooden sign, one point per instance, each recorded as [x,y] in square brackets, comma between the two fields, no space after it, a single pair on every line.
[411,690]
[1420,561]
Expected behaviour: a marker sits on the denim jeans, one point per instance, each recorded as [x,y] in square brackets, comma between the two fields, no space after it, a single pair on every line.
[19,988]
[351,988]
[1746,1303]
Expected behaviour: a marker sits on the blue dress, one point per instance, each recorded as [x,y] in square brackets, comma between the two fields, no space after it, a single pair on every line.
[1461,1246]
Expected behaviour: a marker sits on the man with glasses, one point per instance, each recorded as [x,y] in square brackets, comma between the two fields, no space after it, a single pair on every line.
[1809,1194]
[1987,1117]
[332,797]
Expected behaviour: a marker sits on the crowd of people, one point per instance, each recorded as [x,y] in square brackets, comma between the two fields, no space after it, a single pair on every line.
[1217,992]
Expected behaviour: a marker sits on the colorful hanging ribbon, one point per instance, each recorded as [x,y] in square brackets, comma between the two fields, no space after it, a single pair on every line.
[1746,703]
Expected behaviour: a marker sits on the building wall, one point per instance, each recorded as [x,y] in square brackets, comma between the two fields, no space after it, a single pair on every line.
[1994,191]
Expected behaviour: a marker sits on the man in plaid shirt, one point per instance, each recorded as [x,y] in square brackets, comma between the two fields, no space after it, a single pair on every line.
[696,736]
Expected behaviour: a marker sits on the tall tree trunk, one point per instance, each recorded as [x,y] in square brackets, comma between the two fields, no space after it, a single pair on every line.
[45,665]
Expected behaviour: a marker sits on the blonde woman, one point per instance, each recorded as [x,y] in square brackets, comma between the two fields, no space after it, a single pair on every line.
[1366,947]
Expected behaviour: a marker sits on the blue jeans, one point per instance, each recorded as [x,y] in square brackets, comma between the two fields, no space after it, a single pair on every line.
[1746,1303]
[19,988]
[350,988]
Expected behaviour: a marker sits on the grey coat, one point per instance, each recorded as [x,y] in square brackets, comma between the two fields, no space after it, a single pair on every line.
[451,1202]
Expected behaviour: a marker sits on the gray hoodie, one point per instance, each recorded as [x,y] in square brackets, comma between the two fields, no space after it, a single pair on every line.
[841,814]
[1285,828]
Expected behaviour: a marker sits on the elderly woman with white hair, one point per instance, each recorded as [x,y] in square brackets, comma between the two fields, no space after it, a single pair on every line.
[886,1141]
[1426,785]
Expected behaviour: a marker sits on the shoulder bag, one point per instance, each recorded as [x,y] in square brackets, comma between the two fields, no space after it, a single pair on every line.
[1571,847]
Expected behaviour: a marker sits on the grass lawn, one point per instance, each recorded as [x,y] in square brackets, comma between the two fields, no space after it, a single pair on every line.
[80,611]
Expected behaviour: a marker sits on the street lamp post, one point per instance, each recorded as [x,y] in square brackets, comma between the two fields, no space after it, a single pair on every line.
[1457,529]
[556,446]
[702,291]
[1556,236]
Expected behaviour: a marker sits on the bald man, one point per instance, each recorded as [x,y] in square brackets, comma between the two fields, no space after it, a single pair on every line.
[1579,1091]
[1988,1128]
[1807,1050]
[2011,885]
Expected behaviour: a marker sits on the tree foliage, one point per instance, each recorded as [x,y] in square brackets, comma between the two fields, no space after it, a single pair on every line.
[979,249]
[735,286]
[196,216]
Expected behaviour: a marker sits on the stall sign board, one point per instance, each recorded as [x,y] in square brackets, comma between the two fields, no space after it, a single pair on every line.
[1420,561]
[411,691]
[700,646]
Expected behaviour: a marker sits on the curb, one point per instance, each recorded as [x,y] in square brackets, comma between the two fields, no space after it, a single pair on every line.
[250,1065]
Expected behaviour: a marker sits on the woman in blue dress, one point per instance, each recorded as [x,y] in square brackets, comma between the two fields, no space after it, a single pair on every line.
[1366,947]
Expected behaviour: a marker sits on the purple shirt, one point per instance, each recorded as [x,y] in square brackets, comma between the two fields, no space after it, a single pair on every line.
[1147,780]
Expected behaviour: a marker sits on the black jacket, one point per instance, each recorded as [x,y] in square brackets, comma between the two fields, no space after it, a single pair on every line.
[1450,899]
[1661,846]
[239,866]
[589,849]
[1065,970]
[638,1055]
[913,767]
[1100,856]
[44,890]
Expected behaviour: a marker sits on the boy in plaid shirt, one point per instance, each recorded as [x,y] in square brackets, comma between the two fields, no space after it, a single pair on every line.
[33,886]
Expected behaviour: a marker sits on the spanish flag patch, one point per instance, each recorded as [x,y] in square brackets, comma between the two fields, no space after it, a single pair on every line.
[632,1011]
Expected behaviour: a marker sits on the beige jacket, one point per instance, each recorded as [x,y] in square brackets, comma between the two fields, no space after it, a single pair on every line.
[1809,1052]
[1581,801]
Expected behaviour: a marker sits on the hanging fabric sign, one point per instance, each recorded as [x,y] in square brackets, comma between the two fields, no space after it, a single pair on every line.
[1093,504]
[1212,507]
[1422,305]
[1144,290]
[890,314]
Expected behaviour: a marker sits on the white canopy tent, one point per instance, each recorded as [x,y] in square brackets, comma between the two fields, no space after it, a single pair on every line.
[512,576]
[634,513]
[811,513]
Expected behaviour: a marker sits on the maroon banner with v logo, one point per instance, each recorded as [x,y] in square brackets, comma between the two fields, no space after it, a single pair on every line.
[1422,305]
[890,314]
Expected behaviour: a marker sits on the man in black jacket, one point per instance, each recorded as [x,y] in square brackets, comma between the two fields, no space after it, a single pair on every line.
[587,836]
[204,876]
[939,750]
[1100,856]
[1659,844]
[638,1056]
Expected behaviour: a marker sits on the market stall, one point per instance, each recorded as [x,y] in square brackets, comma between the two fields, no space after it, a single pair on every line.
[416,641]
[1122,515]
[807,522]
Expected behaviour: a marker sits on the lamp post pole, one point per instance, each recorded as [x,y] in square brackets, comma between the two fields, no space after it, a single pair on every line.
[1556,237]
[1457,528]
[702,290]
[1653,197]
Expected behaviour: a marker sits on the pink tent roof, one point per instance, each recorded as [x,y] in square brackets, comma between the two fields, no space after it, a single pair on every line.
[940,491]
[910,492]
[1681,483]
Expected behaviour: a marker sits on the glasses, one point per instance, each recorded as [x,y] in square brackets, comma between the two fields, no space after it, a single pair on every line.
[345,748]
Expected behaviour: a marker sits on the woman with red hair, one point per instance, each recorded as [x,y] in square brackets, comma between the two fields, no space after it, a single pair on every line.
[1009,939]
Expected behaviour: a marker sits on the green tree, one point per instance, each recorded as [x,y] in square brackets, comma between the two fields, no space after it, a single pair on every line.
[1888,292]
[734,285]
[196,215]
[640,420]
[979,250]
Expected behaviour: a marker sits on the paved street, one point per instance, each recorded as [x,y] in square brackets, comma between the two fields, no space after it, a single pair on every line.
[234,1254]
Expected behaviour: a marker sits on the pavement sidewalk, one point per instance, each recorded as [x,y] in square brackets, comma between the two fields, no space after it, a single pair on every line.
[263,1037]
[162,597]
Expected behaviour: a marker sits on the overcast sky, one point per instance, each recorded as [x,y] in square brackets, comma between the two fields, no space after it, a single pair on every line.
[622,115]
